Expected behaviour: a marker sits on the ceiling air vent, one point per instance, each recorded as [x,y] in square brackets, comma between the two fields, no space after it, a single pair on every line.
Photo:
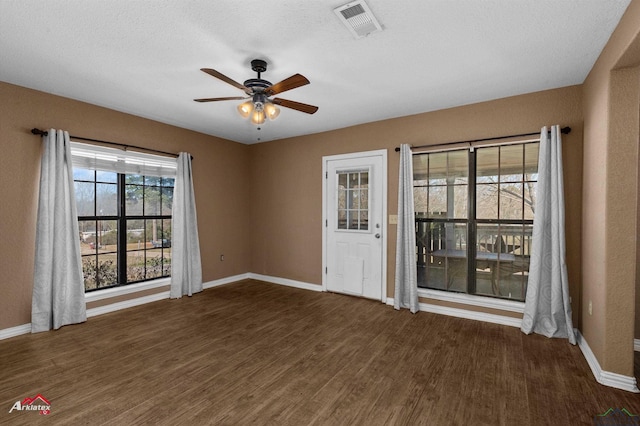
[358,19]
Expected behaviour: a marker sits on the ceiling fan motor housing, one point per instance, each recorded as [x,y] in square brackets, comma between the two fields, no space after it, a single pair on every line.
[257,84]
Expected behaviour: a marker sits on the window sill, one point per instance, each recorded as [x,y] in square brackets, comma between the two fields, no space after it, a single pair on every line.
[467,299]
[108,293]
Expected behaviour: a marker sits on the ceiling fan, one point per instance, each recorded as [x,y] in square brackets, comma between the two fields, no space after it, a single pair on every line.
[261,105]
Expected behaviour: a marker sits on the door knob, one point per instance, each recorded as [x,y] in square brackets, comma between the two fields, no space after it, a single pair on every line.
[377,235]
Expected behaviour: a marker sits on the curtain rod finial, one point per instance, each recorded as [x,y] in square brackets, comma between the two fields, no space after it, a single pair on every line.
[565,130]
[37,131]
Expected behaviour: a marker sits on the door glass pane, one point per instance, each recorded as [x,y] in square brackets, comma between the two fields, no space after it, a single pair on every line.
[364,199]
[342,180]
[364,220]
[353,219]
[352,209]
[354,196]
[342,219]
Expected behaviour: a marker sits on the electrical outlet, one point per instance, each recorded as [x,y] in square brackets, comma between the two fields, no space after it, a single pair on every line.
[393,219]
[221,257]
[590,308]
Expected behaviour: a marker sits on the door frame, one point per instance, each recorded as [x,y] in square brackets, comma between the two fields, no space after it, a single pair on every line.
[384,246]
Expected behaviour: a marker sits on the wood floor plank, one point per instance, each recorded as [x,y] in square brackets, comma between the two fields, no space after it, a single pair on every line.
[258,353]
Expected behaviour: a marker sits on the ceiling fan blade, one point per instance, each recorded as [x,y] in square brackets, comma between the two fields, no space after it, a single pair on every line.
[226,79]
[292,82]
[309,109]
[233,98]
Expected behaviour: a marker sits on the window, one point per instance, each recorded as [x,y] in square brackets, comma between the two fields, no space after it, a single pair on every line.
[124,203]
[353,200]
[474,219]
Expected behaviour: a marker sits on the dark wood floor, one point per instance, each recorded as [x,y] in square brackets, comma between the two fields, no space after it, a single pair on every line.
[253,353]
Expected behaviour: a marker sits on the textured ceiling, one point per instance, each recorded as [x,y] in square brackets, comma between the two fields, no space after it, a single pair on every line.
[143,57]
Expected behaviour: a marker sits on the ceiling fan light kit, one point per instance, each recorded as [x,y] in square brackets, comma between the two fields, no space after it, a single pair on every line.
[261,107]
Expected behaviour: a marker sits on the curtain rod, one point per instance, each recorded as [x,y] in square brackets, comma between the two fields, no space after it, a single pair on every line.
[564,130]
[37,131]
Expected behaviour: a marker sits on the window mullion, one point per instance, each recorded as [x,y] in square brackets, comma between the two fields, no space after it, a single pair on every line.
[471,225]
[122,231]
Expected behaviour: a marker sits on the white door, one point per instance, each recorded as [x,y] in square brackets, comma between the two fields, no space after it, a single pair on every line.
[355,231]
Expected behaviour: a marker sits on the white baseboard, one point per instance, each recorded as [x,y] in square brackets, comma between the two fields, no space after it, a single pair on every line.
[15,331]
[606,378]
[224,281]
[463,313]
[285,281]
[112,307]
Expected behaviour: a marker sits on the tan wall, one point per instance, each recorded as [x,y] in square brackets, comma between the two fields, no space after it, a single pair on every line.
[220,171]
[287,176]
[611,98]
[266,217]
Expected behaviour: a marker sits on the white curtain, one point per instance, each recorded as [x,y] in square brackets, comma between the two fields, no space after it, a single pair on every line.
[58,284]
[406,292]
[186,268]
[547,309]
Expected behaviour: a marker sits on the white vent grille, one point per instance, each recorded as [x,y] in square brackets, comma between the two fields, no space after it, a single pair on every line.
[358,19]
